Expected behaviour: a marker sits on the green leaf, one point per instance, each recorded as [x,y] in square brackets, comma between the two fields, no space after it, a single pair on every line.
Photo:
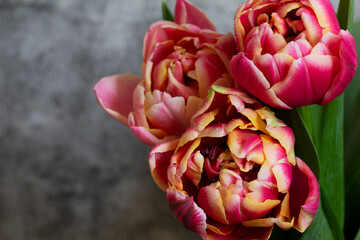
[319,228]
[306,115]
[352,114]
[313,116]
[357,235]
[352,212]
[352,146]
[167,15]
[332,219]
[345,13]
[331,155]
[304,146]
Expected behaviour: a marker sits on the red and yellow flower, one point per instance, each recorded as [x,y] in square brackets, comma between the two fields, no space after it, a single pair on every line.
[292,52]
[182,59]
[233,174]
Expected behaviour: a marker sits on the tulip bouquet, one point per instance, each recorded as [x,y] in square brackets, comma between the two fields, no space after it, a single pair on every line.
[250,130]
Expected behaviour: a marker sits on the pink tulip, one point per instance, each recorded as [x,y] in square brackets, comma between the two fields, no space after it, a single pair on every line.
[182,59]
[292,52]
[233,174]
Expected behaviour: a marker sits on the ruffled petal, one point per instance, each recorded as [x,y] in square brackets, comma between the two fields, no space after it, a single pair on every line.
[187,212]
[115,95]
[248,76]
[304,195]
[159,161]
[169,116]
[187,13]
[325,15]
[210,201]
[348,59]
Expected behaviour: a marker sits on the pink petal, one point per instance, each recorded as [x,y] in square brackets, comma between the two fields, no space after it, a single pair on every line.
[214,131]
[169,116]
[115,95]
[277,158]
[253,209]
[329,45]
[280,24]
[187,13]
[266,175]
[150,137]
[195,167]
[308,80]
[157,32]
[304,195]
[273,151]
[159,161]
[278,130]
[252,43]
[242,142]
[349,63]
[160,75]
[322,71]
[187,212]
[260,191]
[176,88]
[243,164]
[296,90]
[274,68]
[325,14]
[283,173]
[210,201]
[228,177]
[192,106]
[161,50]
[232,209]
[252,79]
[311,24]
[266,41]
[225,47]
[208,68]
[246,18]
[297,49]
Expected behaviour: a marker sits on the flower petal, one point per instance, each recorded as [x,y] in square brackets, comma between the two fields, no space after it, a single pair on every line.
[242,142]
[169,116]
[115,95]
[349,64]
[187,212]
[210,201]
[248,76]
[254,210]
[304,195]
[208,68]
[187,13]
[225,48]
[159,161]
[325,15]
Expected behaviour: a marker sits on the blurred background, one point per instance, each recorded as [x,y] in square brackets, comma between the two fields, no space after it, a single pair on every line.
[67,169]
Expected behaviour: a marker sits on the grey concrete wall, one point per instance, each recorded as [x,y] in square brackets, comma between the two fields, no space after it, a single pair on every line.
[67,169]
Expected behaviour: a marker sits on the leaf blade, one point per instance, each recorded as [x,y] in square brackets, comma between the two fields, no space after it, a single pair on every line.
[166,13]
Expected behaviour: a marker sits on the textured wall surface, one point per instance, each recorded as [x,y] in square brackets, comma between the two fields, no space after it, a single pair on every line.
[67,169]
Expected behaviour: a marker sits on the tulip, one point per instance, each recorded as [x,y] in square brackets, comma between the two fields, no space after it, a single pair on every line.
[233,174]
[292,53]
[181,60]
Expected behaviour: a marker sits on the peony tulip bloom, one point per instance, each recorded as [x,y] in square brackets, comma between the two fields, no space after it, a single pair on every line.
[182,59]
[292,52]
[233,174]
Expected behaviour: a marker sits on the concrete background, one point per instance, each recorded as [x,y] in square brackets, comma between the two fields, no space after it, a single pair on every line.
[67,169]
